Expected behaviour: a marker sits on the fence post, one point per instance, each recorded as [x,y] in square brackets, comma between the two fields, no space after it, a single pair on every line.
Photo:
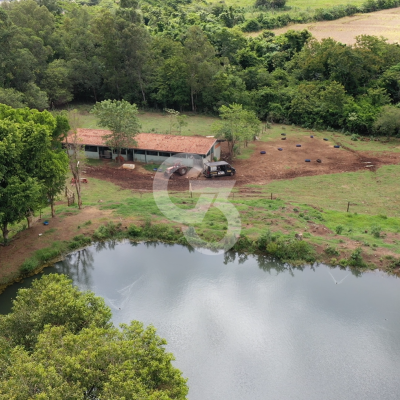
[348,206]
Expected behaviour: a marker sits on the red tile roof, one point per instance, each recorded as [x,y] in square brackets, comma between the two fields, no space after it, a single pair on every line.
[153,141]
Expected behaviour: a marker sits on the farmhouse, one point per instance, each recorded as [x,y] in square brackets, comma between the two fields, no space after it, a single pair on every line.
[152,147]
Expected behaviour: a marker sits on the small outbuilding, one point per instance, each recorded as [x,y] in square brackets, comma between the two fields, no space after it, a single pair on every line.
[152,147]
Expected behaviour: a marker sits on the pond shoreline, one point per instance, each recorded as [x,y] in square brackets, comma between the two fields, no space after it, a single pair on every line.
[173,235]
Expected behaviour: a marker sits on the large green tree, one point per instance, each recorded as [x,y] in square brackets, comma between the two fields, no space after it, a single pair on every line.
[59,343]
[237,126]
[200,61]
[32,165]
[120,117]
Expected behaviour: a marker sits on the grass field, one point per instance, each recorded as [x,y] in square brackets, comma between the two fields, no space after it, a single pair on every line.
[297,206]
[368,192]
[156,122]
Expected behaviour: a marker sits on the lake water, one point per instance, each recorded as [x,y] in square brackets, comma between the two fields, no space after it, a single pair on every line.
[249,329]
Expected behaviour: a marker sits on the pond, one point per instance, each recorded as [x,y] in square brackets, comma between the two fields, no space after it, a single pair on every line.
[248,328]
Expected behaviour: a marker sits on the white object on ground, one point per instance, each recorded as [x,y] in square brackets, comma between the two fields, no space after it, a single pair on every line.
[128,166]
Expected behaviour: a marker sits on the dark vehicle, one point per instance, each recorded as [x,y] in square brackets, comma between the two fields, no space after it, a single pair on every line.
[177,168]
[219,168]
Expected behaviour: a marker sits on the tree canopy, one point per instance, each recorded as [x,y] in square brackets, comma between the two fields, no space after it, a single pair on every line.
[32,167]
[238,126]
[181,55]
[120,118]
[59,343]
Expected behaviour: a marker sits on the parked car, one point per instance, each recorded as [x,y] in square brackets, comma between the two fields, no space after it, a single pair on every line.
[219,168]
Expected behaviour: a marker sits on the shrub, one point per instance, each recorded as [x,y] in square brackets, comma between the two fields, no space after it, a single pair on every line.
[356,259]
[29,265]
[339,229]
[264,240]
[243,244]
[292,250]
[134,231]
[270,3]
[161,232]
[331,251]
[107,231]
[79,241]
[376,231]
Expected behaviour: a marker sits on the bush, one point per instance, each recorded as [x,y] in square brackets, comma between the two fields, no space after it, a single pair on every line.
[331,251]
[270,3]
[111,230]
[292,250]
[161,232]
[243,244]
[339,229]
[134,231]
[251,25]
[29,265]
[79,241]
[264,240]
[376,231]
[356,259]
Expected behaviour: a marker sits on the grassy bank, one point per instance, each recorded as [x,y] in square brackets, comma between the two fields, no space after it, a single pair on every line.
[277,246]
[363,241]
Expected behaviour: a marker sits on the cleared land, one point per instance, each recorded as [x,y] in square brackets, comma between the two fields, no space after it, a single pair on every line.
[298,4]
[384,23]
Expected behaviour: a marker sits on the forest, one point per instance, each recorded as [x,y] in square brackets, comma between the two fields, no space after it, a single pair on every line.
[193,56]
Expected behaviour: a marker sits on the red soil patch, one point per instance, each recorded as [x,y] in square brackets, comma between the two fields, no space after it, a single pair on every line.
[262,168]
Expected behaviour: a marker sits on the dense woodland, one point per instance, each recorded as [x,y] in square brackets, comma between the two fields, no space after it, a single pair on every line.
[190,55]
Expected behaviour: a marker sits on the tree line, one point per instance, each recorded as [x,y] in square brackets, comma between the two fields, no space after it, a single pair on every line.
[183,55]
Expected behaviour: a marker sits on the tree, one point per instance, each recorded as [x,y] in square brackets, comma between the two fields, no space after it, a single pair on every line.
[176,119]
[27,151]
[58,343]
[51,300]
[76,153]
[270,3]
[237,126]
[121,119]
[57,83]
[388,122]
[200,60]
[12,98]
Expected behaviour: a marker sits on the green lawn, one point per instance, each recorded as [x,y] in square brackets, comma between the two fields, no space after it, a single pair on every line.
[368,192]
[156,122]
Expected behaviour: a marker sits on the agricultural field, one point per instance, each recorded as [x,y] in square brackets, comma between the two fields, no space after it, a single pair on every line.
[298,4]
[384,23]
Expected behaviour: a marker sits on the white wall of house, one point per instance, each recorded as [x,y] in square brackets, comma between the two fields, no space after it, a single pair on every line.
[151,156]
[92,154]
